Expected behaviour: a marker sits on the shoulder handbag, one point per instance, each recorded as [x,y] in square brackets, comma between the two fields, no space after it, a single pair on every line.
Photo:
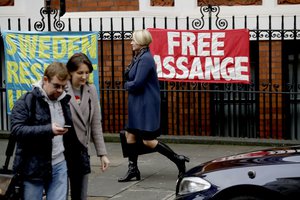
[141,148]
[10,183]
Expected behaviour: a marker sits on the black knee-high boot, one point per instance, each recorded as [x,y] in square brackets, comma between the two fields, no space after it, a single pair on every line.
[133,171]
[179,160]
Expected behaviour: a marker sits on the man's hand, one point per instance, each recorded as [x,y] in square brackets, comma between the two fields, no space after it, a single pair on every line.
[57,130]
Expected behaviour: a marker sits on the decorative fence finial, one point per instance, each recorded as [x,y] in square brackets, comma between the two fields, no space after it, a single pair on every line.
[48,11]
[199,23]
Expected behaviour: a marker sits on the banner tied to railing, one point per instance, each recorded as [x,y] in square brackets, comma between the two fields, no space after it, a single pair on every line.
[27,54]
[213,56]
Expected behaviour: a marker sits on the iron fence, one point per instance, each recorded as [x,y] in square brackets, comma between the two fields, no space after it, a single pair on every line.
[267,108]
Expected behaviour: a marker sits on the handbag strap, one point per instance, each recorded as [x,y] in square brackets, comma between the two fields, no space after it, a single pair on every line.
[9,152]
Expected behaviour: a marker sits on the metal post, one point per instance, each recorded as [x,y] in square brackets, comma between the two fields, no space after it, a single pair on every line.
[48,11]
[209,9]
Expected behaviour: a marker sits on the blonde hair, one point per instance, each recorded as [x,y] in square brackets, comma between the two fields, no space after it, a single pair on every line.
[142,37]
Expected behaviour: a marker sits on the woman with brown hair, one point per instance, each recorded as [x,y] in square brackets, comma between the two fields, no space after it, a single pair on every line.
[86,115]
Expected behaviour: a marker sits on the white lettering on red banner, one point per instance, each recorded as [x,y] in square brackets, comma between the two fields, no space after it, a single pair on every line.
[216,56]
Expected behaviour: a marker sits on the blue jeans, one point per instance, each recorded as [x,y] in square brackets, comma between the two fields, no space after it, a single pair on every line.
[55,189]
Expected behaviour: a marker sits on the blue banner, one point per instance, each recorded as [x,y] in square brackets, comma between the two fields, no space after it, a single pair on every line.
[27,54]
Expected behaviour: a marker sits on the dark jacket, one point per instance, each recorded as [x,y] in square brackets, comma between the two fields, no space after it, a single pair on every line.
[31,128]
[143,93]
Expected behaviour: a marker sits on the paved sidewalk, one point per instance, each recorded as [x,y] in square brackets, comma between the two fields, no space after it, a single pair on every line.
[158,173]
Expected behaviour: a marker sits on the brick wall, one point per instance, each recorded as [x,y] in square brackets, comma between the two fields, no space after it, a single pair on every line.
[98,5]
[268,102]
[111,68]
[111,65]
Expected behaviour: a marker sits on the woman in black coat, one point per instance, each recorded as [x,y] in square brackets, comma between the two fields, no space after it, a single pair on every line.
[144,106]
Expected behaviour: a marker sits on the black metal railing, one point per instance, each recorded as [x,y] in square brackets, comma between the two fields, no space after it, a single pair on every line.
[269,107]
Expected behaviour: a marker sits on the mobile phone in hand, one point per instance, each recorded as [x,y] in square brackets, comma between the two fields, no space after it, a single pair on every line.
[67,126]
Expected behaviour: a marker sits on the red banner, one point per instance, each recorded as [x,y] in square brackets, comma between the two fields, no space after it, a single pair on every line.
[215,56]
